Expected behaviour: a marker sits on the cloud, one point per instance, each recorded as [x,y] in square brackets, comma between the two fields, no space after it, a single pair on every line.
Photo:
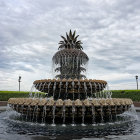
[30,32]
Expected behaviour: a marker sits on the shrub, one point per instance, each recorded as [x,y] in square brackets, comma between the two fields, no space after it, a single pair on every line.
[5,95]
[132,94]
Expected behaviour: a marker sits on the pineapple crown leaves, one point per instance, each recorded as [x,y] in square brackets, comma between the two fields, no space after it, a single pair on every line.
[70,41]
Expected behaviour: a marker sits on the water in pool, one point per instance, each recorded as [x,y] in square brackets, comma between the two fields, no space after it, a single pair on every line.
[12,127]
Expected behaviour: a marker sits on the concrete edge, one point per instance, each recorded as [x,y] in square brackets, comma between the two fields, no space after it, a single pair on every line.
[3,103]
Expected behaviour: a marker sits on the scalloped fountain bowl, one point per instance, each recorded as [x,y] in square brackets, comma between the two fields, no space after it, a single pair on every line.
[68,111]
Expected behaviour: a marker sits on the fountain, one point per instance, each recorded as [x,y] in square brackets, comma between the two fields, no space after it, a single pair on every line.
[71,97]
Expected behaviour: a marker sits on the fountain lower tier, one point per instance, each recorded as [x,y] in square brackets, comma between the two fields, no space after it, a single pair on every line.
[95,109]
[70,88]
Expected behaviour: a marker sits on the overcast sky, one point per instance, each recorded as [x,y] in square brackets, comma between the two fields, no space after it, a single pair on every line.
[30,31]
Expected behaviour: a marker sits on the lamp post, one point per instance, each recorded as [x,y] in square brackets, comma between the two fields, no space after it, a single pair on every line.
[137,81]
[19,80]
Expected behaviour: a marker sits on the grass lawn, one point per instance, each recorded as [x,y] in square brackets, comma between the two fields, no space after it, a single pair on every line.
[132,94]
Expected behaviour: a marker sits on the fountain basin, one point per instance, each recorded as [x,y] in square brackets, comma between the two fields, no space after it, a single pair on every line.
[97,109]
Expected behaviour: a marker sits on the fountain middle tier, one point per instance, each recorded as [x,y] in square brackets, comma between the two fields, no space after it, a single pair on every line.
[70,88]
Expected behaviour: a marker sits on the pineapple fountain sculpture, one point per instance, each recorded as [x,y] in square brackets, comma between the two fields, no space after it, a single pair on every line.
[71,98]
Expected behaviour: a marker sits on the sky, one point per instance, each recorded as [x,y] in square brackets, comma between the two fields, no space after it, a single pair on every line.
[30,32]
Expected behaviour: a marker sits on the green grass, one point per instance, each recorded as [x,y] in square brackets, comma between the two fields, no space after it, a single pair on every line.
[5,95]
[132,94]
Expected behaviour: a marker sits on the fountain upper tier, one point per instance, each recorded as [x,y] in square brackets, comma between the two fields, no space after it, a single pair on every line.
[70,64]
[70,88]
[70,61]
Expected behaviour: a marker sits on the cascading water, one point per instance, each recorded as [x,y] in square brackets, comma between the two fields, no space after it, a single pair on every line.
[53,115]
[63,111]
[70,96]
[91,88]
[44,114]
[54,87]
[102,118]
[83,115]
[49,87]
[93,114]
[73,114]
[85,88]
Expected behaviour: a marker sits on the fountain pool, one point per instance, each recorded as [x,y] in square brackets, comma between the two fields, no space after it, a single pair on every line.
[12,127]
